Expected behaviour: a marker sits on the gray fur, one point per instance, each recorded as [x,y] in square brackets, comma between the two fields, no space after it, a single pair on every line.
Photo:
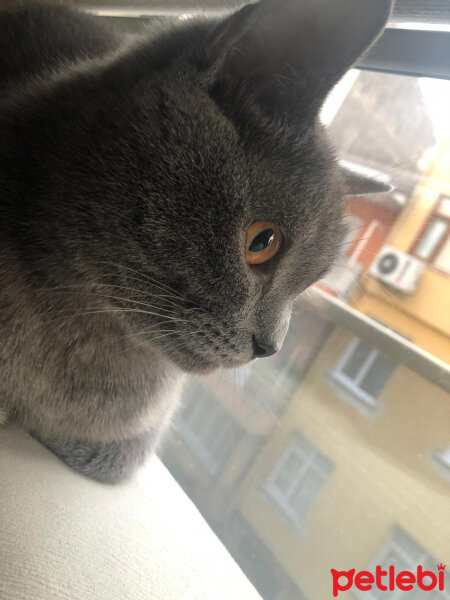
[128,178]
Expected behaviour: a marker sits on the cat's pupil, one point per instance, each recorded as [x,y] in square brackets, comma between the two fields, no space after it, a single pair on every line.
[262,240]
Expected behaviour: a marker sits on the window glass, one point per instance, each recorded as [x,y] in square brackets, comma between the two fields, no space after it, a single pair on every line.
[287,473]
[363,371]
[305,492]
[404,553]
[333,453]
[442,260]
[431,238]
[445,455]
[377,376]
[359,356]
[298,477]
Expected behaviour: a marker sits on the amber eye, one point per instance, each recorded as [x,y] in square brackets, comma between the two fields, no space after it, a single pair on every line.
[263,242]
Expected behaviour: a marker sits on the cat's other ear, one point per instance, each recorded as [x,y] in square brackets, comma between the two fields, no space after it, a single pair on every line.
[289,53]
[356,184]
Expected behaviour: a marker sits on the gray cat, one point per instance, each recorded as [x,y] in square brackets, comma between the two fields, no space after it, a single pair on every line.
[162,206]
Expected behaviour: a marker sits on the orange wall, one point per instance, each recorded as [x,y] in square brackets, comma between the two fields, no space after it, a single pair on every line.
[368,212]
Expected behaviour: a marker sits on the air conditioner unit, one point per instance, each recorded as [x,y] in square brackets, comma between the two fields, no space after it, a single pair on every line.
[397,269]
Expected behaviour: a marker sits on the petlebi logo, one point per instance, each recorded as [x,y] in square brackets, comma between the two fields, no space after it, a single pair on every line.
[388,579]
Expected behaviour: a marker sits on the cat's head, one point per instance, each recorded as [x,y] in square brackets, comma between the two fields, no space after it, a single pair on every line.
[204,152]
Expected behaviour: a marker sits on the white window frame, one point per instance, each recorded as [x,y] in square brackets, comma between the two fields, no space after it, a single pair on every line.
[352,384]
[308,460]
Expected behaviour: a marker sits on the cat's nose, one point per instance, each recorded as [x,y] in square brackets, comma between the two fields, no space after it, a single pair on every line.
[262,348]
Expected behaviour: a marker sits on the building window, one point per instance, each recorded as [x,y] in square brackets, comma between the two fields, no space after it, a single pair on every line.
[207,428]
[441,460]
[433,243]
[364,372]
[405,554]
[298,478]
[443,456]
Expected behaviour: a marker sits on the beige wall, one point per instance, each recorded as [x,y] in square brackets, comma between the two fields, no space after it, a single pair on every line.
[423,315]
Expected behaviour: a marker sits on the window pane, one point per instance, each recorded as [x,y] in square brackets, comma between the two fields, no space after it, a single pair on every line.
[319,452]
[299,477]
[404,553]
[431,238]
[445,455]
[376,377]
[323,464]
[377,594]
[409,546]
[305,492]
[442,260]
[356,360]
[396,558]
[288,471]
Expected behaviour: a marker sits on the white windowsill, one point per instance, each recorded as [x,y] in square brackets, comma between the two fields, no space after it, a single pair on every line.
[140,547]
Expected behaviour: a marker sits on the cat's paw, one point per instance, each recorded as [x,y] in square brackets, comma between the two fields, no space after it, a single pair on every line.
[110,462]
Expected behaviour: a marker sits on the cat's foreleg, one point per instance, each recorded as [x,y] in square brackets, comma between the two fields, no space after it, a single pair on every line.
[110,462]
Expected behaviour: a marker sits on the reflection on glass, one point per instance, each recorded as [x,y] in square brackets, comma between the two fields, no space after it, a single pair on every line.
[333,454]
[298,478]
[358,360]
[377,375]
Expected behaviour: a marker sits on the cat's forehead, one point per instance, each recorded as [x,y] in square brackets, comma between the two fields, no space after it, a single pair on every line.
[294,186]
[293,195]
[219,175]
[271,171]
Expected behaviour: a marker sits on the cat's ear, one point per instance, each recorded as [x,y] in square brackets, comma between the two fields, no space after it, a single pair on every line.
[293,51]
[358,184]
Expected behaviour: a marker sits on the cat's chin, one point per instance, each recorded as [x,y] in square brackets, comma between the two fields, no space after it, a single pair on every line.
[199,365]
